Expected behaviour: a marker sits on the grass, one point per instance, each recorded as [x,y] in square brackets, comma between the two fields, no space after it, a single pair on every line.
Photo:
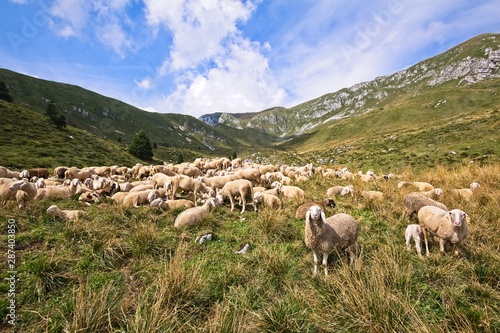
[128,270]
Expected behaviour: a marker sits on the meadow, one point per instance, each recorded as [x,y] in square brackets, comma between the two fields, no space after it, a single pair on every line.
[127,269]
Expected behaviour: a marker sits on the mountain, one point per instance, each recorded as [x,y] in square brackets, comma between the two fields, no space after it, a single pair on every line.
[471,62]
[114,120]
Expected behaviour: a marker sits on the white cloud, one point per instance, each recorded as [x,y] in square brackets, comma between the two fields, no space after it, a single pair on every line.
[145,83]
[113,36]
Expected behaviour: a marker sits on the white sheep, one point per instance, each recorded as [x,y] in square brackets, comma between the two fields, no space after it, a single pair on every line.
[62,192]
[340,190]
[166,205]
[241,188]
[325,235]
[421,186]
[268,200]
[65,214]
[23,191]
[187,183]
[139,198]
[371,196]
[466,193]
[192,216]
[292,192]
[414,231]
[448,226]
[6,173]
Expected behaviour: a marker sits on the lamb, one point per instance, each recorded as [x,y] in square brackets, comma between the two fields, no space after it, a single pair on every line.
[414,231]
[192,216]
[23,191]
[171,204]
[302,210]
[448,226]
[268,200]
[414,201]
[240,187]
[322,235]
[64,214]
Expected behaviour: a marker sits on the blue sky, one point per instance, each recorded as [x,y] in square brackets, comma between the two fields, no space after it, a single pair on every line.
[203,56]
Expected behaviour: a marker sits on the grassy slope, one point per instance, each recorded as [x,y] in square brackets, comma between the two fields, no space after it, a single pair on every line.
[28,139]
[128,269]
[414,126]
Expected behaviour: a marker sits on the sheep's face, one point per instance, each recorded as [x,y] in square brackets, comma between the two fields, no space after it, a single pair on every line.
[52,209]
[457,217]
[17,185]
[314,213]
[331,203]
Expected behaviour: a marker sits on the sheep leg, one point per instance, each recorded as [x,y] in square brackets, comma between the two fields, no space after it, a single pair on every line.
[418,245]
[408,245]
[243,204]
[325,262]
[232,202]
[424,231]
[352,253]
[315,258]
[441,246]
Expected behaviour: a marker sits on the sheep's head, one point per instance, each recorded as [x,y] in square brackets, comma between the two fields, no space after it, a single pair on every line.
[52,209]
[156,202]
[15,186]
[330,203]
[314,213]
[457,217]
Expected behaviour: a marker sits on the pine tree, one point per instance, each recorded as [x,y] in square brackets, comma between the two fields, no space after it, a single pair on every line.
[56,117]
[5,92]
[141,146]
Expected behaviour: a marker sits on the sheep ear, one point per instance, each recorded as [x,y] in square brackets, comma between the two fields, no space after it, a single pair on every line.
[308,216]
[323,216]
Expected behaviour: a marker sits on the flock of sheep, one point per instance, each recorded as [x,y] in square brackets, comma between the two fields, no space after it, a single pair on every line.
[220,181]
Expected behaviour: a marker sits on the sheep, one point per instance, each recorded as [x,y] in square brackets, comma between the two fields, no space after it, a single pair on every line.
[171,204]
[119,196]
[218,182]
[23,191]
[268,200]
[79,174]
[414,231]
[292,192]
[6,173]
[62,192]
[325,235]
[38,172]
[371,196]
[192,216]
[301,212]
[187,183]
[433,194]
[414,201]
[139,198]
[250,174]
[448,226]
[60,171]
[421,186]
[65,214]
[90,197]
[240,187]
[466,193]
[340,190]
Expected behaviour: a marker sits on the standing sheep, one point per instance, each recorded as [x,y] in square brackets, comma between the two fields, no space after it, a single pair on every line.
[192,216]
[23,191]
[234,188]
[414,201]
[301,212]
[325,235]
[448,226]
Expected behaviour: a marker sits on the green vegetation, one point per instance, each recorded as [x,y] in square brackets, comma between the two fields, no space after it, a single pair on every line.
[141,147]
[128,270]
[56,117]
[5,93]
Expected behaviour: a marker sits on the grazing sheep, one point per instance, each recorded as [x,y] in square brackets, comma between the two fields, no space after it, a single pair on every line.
[38,172]
[414,201]
[192,216]
[241,188]
[414,231]
[65,214]
[79,174]
[322,235]
[433,194]
[6,173]
[171,204]
[250,174]
[90,197]
[371,196]
[302,210]
[218,182]
[189,184]
[269,200]
[448,226]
